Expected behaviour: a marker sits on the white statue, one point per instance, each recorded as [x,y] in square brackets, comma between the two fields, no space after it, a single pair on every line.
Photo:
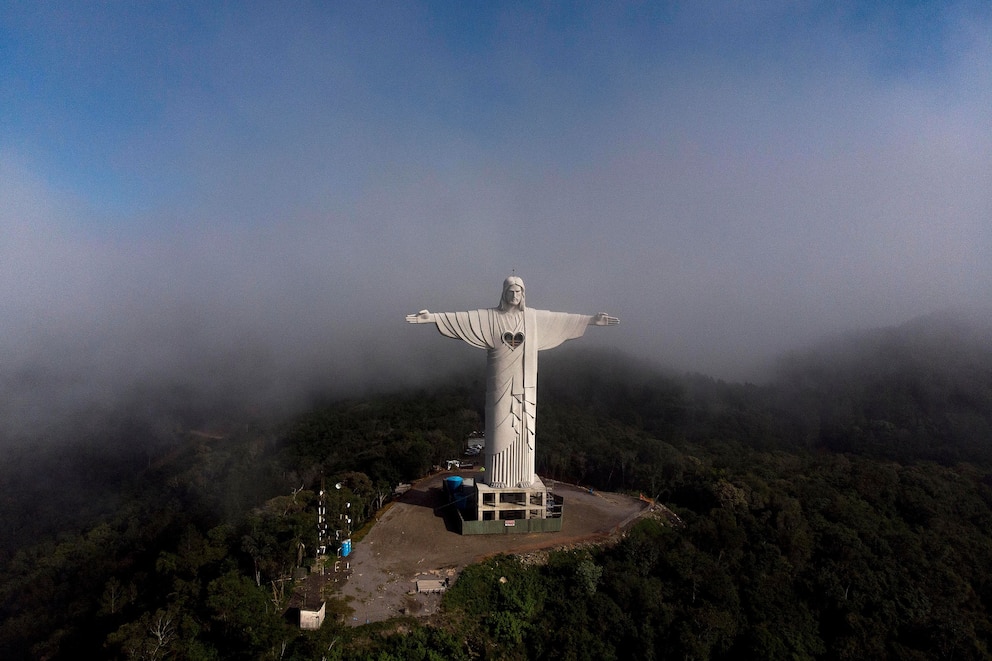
[513,334]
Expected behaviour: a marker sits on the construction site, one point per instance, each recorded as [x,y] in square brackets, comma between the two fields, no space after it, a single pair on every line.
[416,547]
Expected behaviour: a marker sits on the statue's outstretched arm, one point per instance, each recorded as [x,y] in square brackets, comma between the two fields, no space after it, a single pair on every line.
[603,319]
[422,317]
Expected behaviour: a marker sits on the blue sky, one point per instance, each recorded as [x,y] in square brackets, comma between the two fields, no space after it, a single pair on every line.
[190,184]
[105,99]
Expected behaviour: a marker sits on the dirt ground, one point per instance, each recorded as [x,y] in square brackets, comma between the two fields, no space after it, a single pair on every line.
[414,539]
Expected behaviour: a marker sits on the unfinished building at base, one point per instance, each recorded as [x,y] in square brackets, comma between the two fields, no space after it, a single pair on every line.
[482,509]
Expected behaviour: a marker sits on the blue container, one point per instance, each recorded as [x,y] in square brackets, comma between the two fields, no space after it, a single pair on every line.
[346,548]
[453,484]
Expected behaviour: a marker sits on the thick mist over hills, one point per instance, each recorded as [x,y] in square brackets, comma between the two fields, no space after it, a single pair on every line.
[67,395]
[242,205]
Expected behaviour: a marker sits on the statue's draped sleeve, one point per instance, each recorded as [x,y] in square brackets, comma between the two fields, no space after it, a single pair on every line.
[545,329]
[557,327]
[473,326]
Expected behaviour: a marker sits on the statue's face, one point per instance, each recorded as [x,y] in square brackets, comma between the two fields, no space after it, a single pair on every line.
[513,295]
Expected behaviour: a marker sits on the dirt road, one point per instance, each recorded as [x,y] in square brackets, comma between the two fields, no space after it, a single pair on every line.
[413,539]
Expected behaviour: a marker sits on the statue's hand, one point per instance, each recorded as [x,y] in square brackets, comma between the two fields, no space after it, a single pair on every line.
[603,319]
[422,317]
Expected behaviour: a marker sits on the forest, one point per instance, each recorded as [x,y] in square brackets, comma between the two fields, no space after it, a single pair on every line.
[841,509]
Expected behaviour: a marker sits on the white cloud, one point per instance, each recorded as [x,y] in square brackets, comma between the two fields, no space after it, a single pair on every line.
[280,218]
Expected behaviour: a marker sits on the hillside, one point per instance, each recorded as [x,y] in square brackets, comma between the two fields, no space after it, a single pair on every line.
[841,510]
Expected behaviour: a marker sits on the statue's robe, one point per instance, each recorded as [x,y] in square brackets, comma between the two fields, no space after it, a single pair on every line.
[512,340]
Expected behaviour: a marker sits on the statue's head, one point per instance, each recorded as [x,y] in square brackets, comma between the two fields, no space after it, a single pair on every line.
[514,296]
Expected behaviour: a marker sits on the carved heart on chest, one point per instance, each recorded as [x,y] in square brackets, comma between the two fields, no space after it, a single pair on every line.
[513,340]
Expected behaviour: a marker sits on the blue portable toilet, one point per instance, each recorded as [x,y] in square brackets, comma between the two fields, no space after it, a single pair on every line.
[346,548]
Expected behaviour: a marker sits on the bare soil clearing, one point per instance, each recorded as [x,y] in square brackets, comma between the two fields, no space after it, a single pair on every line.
[415,538]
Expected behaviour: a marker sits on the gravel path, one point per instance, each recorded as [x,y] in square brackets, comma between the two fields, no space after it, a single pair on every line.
[412,539]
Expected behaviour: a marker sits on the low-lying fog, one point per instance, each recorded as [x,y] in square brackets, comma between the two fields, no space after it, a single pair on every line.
[247,205]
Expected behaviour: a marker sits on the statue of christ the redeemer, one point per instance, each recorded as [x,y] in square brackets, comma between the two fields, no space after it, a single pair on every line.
[512,334]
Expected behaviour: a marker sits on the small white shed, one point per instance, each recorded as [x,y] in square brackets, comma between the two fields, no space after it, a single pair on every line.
[312,619]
